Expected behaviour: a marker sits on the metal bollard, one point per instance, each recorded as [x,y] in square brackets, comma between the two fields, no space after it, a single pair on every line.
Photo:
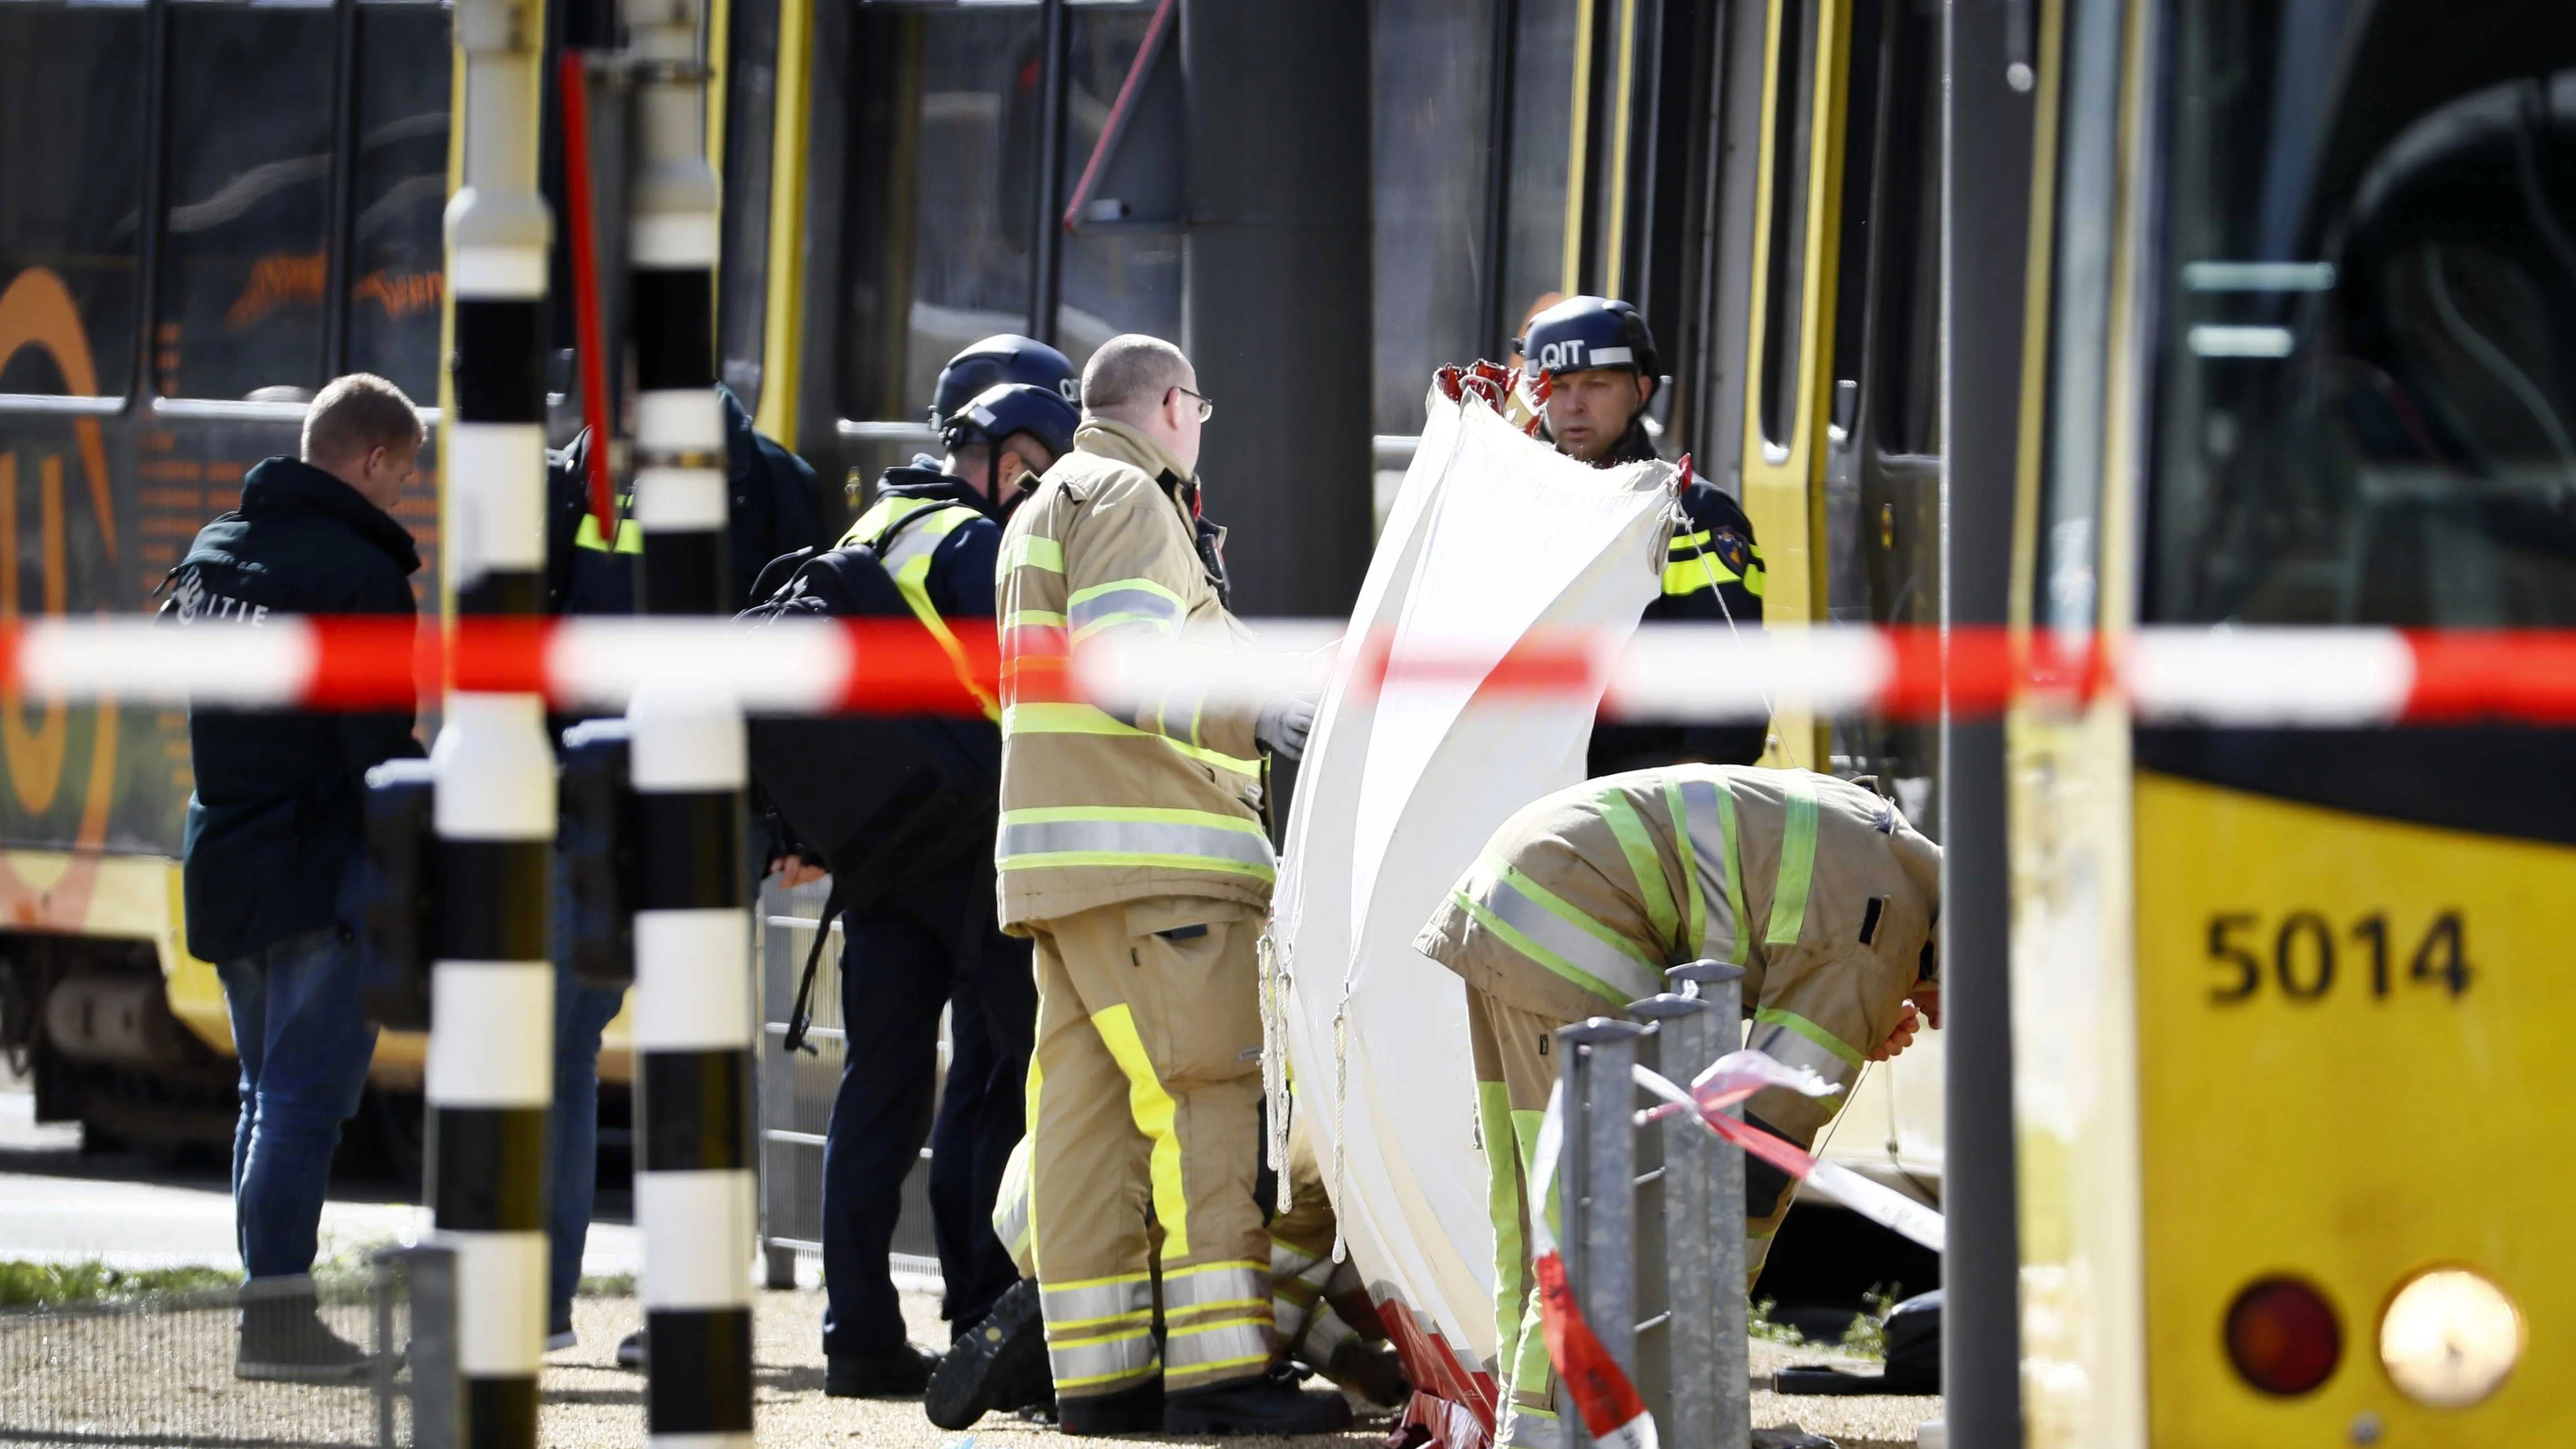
[1673,1208]
[1597,1194]
[428,1284]
[1708,1185]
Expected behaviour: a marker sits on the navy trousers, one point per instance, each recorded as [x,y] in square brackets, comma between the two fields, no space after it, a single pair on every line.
[903,960]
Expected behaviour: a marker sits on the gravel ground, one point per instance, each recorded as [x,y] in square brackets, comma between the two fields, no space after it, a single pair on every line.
[166,1379]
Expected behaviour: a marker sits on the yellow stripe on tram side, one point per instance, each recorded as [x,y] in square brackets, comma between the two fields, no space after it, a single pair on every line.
[782,327]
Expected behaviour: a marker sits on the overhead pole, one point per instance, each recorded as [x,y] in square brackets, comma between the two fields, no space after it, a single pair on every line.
[1985,225]
[693,987]
[490,1072]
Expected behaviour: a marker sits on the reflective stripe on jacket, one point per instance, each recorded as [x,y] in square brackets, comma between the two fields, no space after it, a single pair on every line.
[1819,889]
[908,559]
[1100,809]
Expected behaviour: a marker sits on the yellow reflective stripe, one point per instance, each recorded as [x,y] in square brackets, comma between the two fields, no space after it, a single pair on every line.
[1032,552]
[1754,577]
[630,535]
[1033,619]
[1639,848]
[1793,1025]
[1084,719]
[1550,931]
[1058,835]
[1124,601]
[1503,1207]
[1156,1116]
[1690,542]
[1690,575]
[1210,1286]
[885,514]
[1087,1362]
[1797,865]
[1205,1348]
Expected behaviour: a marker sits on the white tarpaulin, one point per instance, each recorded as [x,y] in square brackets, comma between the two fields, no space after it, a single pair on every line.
[1493,536]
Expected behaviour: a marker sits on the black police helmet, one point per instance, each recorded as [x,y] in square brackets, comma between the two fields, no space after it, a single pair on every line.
[999,411]
[1581,333]
[1002,357]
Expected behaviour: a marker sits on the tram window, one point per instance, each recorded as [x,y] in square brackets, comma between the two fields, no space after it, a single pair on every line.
[943,200]
[1542,156]
[1907,289]
[1868,77]
[249,157]
[1433,104]
[399,192]
[2367,409]
[1112,281]
[1785,269]
[71,167]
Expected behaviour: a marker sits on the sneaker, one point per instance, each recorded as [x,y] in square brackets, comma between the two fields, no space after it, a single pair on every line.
[1268,1405]
[900,1374]
[287,1342]
[1129,1411]
[634,1352]
[1000,1363]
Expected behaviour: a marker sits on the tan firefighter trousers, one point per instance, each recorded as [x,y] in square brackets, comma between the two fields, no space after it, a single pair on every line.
[1144,1096]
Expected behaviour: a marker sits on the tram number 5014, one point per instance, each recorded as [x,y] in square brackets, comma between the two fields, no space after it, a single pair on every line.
[2304,956]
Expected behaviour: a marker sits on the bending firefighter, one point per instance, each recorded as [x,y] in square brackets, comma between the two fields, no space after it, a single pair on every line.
[1134,855]
[1816,887]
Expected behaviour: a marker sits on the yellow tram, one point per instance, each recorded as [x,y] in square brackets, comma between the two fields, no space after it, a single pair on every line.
[2292,1162]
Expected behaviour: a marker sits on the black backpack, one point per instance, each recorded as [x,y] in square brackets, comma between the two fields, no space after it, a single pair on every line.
[890,802]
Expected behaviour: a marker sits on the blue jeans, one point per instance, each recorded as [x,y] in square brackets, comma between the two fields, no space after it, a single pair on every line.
[301,1031]
[582,1013]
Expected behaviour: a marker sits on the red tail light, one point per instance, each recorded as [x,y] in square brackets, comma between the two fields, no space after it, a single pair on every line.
[2282,1336]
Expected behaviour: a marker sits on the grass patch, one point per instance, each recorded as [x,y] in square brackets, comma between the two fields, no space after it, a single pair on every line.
[607,1285]
[1867,1336]
[1758,1324]
[56,1285]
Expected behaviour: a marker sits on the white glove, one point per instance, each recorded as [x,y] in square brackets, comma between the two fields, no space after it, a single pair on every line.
[1284,722]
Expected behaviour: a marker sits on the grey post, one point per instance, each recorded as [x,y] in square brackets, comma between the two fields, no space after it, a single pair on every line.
[1730,1369]
[428,1282]
[1596,1193]
[1673,1327]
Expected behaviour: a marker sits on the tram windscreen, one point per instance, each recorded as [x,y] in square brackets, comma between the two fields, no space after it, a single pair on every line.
[2366,387]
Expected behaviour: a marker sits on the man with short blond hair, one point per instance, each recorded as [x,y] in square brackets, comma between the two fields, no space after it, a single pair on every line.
[1134,852]
[269,870]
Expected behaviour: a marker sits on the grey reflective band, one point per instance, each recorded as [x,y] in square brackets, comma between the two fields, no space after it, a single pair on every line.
[1097,1303]
[1132,838]
[1575,946]
[1613,357]
[1231,1284]
[1088,1362]
[1712,848]
[1142,603]
[1222,1345]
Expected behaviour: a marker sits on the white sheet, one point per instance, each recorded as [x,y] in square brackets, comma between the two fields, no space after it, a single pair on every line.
[1493,536]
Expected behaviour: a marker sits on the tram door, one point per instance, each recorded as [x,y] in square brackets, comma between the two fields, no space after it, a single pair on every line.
[2294,1145]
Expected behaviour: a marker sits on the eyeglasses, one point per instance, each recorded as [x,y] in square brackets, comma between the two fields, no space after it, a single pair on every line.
[1207,405]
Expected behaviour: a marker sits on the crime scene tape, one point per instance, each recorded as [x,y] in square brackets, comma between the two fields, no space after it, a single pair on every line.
[2320,677]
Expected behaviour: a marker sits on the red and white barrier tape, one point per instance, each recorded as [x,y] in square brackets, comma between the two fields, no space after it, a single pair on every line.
[2255,676]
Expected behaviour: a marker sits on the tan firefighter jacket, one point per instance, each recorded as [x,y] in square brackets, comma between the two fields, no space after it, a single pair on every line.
[1098,809]
[1818,888]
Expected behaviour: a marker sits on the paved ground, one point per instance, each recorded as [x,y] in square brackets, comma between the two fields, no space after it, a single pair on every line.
[166,1379]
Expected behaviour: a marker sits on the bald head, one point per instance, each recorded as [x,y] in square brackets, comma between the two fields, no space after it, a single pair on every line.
[1149,385]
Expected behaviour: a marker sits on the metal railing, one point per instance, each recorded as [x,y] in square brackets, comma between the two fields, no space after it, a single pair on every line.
[796,1092]
[1673,1195]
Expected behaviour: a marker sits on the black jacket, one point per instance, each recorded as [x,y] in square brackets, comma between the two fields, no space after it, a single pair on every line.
[1711,571]
[776,508]
[274,822]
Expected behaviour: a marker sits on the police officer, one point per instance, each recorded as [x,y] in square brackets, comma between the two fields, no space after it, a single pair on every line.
[937,529]
[1600,364]
[774,506]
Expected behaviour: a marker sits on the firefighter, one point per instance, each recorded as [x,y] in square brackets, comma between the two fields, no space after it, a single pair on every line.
[1134,853]
[1818,888]
[1599,360]
[908,955]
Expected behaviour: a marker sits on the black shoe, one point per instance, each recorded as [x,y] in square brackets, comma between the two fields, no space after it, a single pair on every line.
[1129,1411]
[1271,1405]
[1371,1371]
[635,1351]
[1000,1363]
[285,1341]
[901,1374]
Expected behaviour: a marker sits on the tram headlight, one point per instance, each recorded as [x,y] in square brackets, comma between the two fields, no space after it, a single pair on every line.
[2450,1338]
[2283,1337]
